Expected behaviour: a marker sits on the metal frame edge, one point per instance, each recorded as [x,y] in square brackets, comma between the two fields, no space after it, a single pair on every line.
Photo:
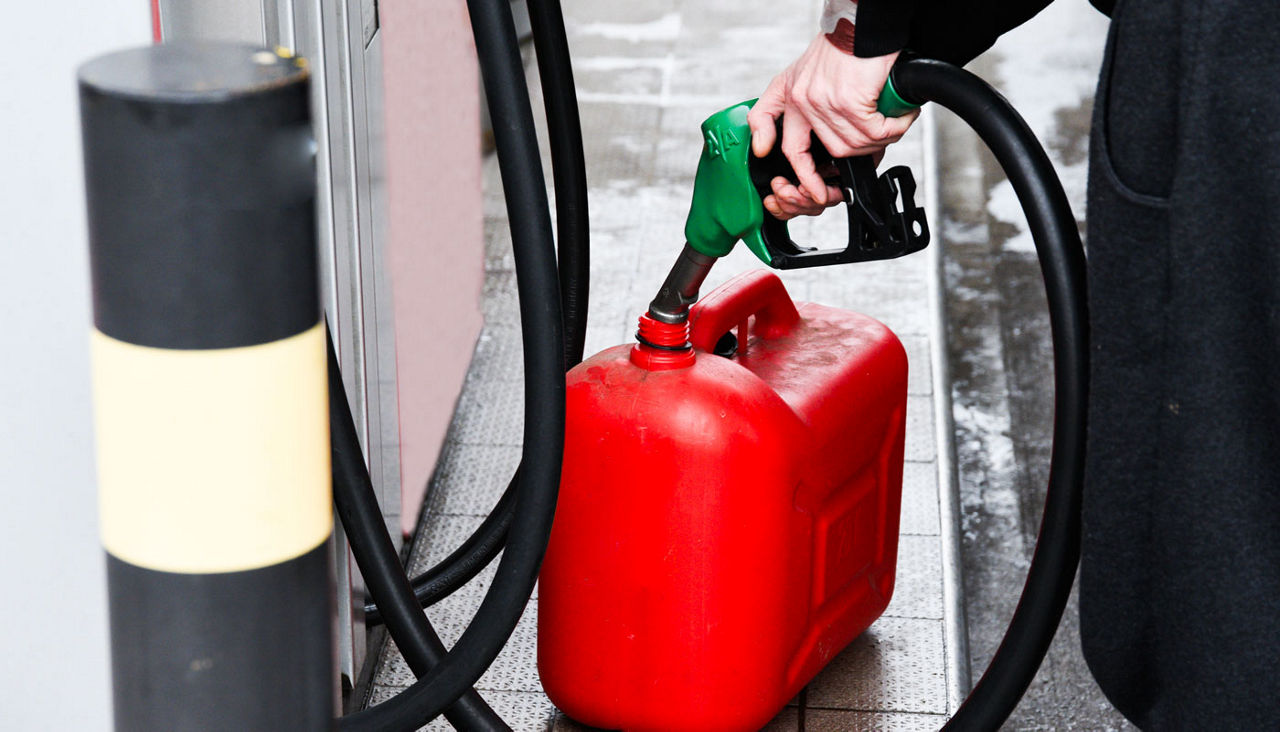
[955,621]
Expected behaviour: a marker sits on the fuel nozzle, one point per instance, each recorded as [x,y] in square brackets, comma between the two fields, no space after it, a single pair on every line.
[731,184]
[680,289]
[663,333]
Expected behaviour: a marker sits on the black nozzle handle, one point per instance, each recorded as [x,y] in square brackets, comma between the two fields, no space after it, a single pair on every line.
[879,228]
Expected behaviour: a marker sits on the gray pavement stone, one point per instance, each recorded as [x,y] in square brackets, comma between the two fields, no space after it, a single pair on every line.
[497,247]
[919,365]
[499,304]
[522,710]
[618,140]
[920,499]
[647,29]
[598,339]
[919,575]
[439,534]
[826,720]
[623,75]
[470,478]
[498,354]
[489,413]
[897,665]
[921,445]
[883,301]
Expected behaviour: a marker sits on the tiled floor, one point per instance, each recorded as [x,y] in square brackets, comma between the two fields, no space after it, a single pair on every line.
[648,73]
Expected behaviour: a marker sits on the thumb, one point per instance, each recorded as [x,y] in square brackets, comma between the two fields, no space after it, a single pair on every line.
[892,128]
[761,118]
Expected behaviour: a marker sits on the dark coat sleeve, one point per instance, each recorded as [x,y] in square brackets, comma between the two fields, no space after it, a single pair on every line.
[950,30]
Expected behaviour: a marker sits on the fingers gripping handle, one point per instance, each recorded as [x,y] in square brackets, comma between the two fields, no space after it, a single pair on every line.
[731,184]
[757,292]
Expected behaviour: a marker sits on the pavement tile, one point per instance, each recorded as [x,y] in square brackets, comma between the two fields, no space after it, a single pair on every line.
[564,724]
[897,665]
[498,255]
[580,13]
[920,445]
[521,710]
[634,75]
[920,499]
[471,478]
[495,205]
[600,338]
[498,354]
[490,413]
[798,16]
[642,40]
[896,305]
[786,721]
[919,366]
[724,75]
[635,223]
[515,668]
[500,305]
[618,140]
[622,29]
[826,720]
[917,589]
[440,535]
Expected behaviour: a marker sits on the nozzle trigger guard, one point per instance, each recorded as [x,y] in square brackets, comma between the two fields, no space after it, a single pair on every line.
[878,227]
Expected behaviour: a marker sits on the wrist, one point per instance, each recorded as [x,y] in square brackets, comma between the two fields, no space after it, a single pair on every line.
[838,20]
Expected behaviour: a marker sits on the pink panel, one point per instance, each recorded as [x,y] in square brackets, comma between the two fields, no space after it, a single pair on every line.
[437,228]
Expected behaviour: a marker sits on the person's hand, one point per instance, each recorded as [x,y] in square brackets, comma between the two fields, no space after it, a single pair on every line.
[832,94]
[789,200]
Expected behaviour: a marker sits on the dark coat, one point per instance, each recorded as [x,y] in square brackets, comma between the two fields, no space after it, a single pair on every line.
[1180,576]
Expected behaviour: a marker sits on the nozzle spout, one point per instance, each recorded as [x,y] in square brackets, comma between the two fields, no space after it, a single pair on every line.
[680,289]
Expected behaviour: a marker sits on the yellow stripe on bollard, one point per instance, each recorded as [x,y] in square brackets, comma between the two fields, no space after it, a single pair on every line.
[212,460]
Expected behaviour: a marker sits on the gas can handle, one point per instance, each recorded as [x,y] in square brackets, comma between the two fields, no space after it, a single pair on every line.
[757,292]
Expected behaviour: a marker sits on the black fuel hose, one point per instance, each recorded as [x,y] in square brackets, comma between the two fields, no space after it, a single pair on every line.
[569,172]
[542,334]
[1062,264]
[358,509]
[465,562]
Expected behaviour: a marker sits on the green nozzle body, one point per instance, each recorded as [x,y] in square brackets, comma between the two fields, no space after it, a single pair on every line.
[890,103]
[726,206]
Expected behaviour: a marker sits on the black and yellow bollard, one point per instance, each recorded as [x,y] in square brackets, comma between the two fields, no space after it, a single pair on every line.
[209,387]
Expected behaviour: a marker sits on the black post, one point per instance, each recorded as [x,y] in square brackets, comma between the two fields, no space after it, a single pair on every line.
[209,387]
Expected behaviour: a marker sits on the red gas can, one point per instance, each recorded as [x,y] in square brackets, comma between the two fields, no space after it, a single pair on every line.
[726,525]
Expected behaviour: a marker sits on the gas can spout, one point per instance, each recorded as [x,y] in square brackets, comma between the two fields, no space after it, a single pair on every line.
[680,289]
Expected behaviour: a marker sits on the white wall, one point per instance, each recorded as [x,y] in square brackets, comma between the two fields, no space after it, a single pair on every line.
[53,630]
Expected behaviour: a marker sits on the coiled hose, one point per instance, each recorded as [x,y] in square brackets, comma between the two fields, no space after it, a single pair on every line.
[1062,264]
[448,678]
[569,171]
